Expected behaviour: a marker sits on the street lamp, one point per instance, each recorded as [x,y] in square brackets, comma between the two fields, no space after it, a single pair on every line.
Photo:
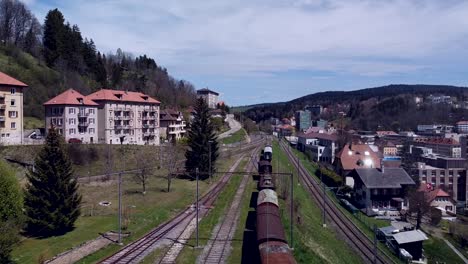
[122,138]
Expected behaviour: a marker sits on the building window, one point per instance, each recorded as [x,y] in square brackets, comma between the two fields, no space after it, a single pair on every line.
[91,130]
[91,111]
[53,121]
[12,114]
[72,131]
[12,102]
[91,120]
[13,125]
[59,121]
[72,121]
[60,131]
[81,130]
[71,110]
[13,90]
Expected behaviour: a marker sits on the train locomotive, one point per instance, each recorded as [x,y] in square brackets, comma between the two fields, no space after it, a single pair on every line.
[271,239]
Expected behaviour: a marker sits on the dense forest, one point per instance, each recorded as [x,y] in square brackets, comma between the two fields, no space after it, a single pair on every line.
[390,107]
[55,56]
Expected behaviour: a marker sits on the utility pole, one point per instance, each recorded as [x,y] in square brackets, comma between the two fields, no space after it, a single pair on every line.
[196,206]
[209,158]
[122,138]
[324,224]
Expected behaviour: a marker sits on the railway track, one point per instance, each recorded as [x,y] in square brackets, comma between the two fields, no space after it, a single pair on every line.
[218,248]
[354,235]
[161,235]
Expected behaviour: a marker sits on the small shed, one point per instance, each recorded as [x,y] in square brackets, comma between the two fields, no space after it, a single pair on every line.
[411,241]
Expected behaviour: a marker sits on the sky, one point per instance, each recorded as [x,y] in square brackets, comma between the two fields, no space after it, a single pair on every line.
[256,51]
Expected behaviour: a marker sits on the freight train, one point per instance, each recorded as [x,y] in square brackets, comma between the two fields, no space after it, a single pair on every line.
[272,243]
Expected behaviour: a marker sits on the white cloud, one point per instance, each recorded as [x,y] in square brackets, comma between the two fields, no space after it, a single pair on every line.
[262,37]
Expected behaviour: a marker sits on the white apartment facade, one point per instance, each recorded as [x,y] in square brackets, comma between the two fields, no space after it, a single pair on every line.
[126,117]
[73,116]
[11,110]
[210,97]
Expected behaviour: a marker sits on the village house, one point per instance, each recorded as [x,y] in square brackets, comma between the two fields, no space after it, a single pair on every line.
[380,189]
[439,199]
[172,125]
[319,146]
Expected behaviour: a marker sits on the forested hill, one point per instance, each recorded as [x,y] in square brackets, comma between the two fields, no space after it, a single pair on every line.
[392,106]
[55,56]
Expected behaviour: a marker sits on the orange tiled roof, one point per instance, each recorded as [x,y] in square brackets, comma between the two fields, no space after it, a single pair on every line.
[432,193]
[70,97]
[112,95]
[8,80]
[354,157]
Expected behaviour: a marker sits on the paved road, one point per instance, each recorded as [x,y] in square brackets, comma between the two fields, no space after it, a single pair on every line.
[234,127]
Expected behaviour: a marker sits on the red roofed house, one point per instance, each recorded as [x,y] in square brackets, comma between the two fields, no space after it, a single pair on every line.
[355,156]
[131,116]
[439,198]
[11,110]
[73,115]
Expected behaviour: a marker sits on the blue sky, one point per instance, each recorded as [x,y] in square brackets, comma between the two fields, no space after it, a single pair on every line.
[254,51]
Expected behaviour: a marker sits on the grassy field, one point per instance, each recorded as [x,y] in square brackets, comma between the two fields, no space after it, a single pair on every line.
[141,213]
[312,243]
[32,122]
[236,137]
[190,254]
[437,251]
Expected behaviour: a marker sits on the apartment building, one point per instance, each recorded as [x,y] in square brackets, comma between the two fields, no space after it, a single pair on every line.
[319,146]
[172,125]
[303,120]
[449,174]
[74,116]
[11,110]
[464,147]
[210,97]
[448,147]
[129,116]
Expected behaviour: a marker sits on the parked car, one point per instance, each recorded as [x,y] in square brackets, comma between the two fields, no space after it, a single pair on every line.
[75,141]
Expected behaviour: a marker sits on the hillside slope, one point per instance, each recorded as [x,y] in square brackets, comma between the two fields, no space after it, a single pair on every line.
[387,107]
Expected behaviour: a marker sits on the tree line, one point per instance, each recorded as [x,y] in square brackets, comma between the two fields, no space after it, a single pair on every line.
[60,46]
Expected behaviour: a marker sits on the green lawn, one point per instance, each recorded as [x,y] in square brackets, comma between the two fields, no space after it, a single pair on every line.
[189,254]
[236,137]
[437,251]
[312,243]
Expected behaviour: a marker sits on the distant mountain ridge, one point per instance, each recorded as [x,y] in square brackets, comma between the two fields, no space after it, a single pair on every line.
[380,100]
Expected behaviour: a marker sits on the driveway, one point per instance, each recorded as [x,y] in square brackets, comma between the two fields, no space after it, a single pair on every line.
[233,125]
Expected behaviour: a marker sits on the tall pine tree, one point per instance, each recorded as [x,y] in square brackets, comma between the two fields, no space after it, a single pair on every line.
[52,200]
[201,135]
[53,38]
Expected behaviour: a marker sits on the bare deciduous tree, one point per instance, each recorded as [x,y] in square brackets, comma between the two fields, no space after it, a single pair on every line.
[145,162]
[173,161]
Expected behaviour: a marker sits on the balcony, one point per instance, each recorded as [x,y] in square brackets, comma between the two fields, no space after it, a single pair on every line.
[123,109]
[83,114]
[83,124]
[2,106]
[2,118]
[122,127]
[149,117]
[147,134]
